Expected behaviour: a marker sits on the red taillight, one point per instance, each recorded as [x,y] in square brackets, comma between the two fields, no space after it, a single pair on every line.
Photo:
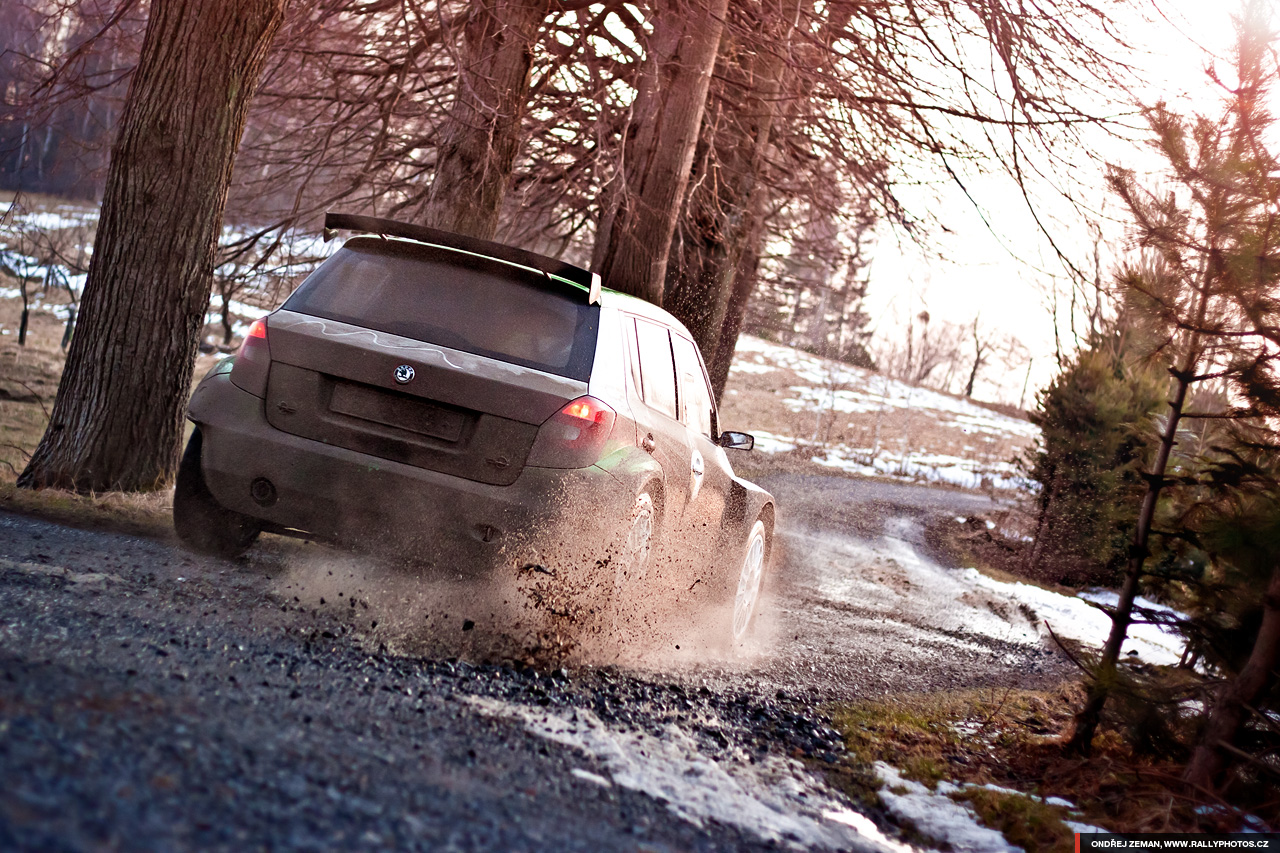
[574,436]
[253,361]
[579,409]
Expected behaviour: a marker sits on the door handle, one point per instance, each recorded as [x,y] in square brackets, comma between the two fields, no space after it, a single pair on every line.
[695,464]
[648,444]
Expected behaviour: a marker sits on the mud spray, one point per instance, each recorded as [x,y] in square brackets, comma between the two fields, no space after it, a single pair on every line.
[571,610]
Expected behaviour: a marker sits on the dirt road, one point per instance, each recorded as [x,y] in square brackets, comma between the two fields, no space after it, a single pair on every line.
[154,700]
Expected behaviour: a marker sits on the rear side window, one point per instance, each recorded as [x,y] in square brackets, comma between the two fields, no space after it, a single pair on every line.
[455,300]
[656,367]
[695,396]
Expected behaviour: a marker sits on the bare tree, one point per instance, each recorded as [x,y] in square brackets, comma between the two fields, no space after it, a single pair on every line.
[721,213]
[633,238]
[982,346]
[483,129]
[591,115]
[117,421]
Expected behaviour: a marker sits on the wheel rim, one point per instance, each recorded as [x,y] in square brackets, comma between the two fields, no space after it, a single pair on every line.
[744,602]
[635,550]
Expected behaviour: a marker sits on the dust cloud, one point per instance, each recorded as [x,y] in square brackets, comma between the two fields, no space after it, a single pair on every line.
[569,611]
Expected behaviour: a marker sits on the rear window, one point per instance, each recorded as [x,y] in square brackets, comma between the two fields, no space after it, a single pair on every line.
[455,300]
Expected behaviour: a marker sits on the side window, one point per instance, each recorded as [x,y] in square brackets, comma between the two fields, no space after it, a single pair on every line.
[633,347]
[657,369]
[695,396]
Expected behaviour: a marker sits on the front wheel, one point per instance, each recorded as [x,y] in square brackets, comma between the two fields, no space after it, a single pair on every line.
[202,523]
[750,577]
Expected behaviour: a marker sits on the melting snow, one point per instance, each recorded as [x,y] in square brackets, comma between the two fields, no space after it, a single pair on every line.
[963,603]
[297,254]
[1077,619]
[937,816]
[53,220]
[835,387]
[775,799]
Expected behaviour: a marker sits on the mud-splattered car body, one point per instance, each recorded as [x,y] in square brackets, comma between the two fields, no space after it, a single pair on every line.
[477,402]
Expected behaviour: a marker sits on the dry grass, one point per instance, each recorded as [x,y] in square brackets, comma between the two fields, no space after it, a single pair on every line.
[140,514]
[28,385]
[1033,825]
[1014,739]
[28,382]
[769,401]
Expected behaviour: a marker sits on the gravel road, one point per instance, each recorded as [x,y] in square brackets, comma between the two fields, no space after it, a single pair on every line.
[155,700]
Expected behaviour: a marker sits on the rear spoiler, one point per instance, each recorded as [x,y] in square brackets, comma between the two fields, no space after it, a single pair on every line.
[590,281]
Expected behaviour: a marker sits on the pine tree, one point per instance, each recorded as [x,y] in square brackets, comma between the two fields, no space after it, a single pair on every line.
[1235,626]
[1212,242]
[1095,436]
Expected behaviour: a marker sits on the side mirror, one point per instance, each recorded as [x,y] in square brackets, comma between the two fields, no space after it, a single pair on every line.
[737,440]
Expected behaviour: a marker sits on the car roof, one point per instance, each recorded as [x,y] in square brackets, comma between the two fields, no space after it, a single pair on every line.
[633,305]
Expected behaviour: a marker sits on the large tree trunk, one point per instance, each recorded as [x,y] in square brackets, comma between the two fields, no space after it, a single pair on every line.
[711,238]
[1235,696]
[481,136]
[633,240]
[117,422]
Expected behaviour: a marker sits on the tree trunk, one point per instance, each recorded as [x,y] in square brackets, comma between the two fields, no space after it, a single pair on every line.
[26,313]
[482,134]
[1228,712]
[117,422]
[979,348]
[633,240]
[717,222]
[744,282]
[70,329]
[228,332]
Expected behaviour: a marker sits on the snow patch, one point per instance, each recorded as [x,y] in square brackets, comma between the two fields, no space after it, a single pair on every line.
[937,816]
[767,442]
[832,388]
[588,776]
[775,799]
[875,391]
[1076,619]
[751,367]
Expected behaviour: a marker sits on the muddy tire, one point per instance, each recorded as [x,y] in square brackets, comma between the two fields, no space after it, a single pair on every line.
[750,581]
[202,523]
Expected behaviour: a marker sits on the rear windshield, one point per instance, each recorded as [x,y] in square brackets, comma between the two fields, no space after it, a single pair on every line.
[455,300]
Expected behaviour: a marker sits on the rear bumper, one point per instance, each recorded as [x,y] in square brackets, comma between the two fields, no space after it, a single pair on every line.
[338,493]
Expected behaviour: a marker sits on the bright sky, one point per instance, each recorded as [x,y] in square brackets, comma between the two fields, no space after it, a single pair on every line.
[1005,277]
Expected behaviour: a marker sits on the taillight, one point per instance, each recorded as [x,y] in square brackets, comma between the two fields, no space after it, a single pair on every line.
[574,436]
[253,361]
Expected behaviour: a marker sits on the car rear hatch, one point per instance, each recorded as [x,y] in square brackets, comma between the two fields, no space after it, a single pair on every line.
[427,356]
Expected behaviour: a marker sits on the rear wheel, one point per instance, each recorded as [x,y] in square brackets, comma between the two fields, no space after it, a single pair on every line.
[750,577]
[202,523]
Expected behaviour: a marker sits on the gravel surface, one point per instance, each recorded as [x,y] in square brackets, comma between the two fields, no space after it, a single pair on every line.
[155,700]
[860,608]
